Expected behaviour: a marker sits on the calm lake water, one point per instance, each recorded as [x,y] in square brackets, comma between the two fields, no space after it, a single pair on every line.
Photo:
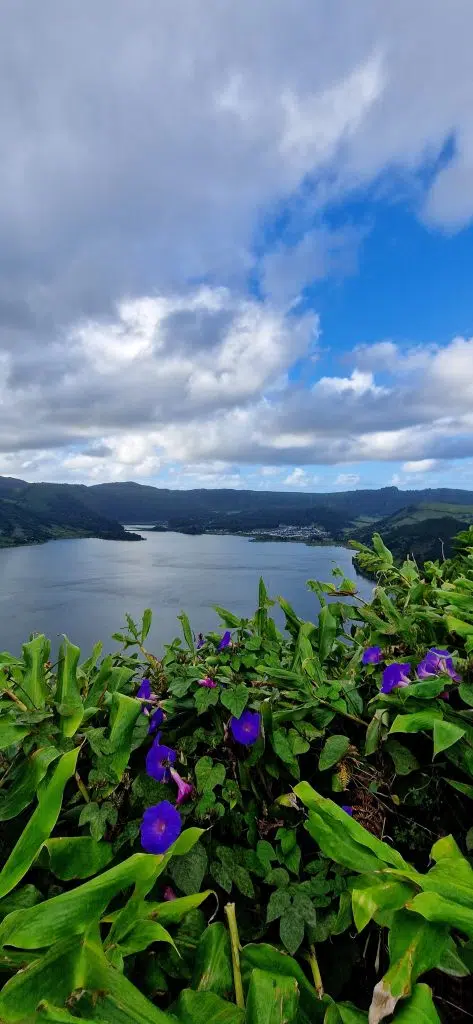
[84,587]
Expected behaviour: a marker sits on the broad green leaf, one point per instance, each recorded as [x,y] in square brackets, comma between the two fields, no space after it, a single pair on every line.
[404,761]
[206,1008]
[124,713]
[51,977]
[441,911]
[462,787]
[208,775]
[279,903]
[142,935]
[213,962]
[26,896]
[419,1009]
[24,783]
[382,551]
[205,699]
[10,733]
[265,957]
[173,911]
[381,896]
[415,946]
[291,929]
[416,722]
[34,685]
[235,699]
[77,857]
[458,626]
[375,731]
[445,735]
[188,872]
[451,876]
[345,837]
[72,912]
[327,632]
[99,683]
[47,1012]
[40,825]
[271,999]
[67,690]
[118,1000]
[335,747]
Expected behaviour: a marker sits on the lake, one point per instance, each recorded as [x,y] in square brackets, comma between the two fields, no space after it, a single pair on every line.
[84,587]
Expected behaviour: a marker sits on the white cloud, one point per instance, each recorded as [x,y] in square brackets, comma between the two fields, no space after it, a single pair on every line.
[347,480]
[421,466]
[298,478]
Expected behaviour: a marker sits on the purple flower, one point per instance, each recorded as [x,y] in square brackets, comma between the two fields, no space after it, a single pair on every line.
[160,827]
[246,728]
[209,683]
[158,759]
[200,641]
[184,789]
[395,675]
[372,656]
[348,810]
[156,719]
[144,690]
[169,894]
[225,641]
[435,663]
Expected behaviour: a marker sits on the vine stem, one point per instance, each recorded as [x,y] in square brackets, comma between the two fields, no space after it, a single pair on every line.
[82,788]
[235,944]
[314,966]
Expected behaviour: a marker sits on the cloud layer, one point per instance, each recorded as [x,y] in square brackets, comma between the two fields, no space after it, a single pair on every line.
[147,315]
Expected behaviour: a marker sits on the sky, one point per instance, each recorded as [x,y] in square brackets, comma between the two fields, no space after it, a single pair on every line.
[236,243]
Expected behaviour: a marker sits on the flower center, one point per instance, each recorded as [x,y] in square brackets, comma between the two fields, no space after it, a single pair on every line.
[159,827]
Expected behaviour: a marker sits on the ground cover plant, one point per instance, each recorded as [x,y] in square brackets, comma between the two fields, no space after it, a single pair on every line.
[258,825]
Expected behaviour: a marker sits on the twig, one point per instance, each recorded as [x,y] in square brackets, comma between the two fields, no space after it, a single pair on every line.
[12,696]
[235,944]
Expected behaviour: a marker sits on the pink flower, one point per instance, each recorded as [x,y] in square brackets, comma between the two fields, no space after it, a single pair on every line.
[169,894]
[209,683]
[184,789]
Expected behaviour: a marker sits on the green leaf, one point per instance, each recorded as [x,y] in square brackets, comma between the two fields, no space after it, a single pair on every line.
[416,722]
[441,911]
[27,896]
[186,629]
[375,730]
[206,1008]
[415,946]
[379,896]
[205,699]
[281,747]
[235,699]
[382,551]
[462,787]
[10,733]
[78,857]
[445,735]
[267,958]
[34,684]
[146,624]
[39,826]
[243,881]
[327,632]
[404,760]
[208,775]
[419,1009]
[142,935]
[67,689]
[173,911]
[333,751]
[265,853]
[213,962]
[97,817]
[24,783]
[291,930]
[304,906]
[124,713]
[188,872]
[279,903]
[272,999]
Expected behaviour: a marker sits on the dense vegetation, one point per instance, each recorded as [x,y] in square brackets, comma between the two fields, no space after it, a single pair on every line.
[419,523]
[256,826]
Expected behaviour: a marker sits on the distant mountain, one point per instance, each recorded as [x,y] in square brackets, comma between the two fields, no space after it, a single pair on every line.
[425,531]
[34,513]
[409,520]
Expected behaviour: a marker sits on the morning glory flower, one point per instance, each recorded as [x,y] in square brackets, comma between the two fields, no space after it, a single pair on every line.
[144,692]
[372,656]
[348,810]
[209,683]
[158,759]
[156,719]
[184,789]
[225,641]
[435,663]
[246,728]
[200,641]
[169,894]
[395,675]
[160,827]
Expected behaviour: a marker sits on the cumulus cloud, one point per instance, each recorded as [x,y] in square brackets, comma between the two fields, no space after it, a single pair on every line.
[142,321]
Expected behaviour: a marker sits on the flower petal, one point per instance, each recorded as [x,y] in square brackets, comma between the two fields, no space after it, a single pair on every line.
[160,827]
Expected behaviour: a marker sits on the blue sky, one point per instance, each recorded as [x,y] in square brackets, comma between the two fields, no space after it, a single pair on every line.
[241,253]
